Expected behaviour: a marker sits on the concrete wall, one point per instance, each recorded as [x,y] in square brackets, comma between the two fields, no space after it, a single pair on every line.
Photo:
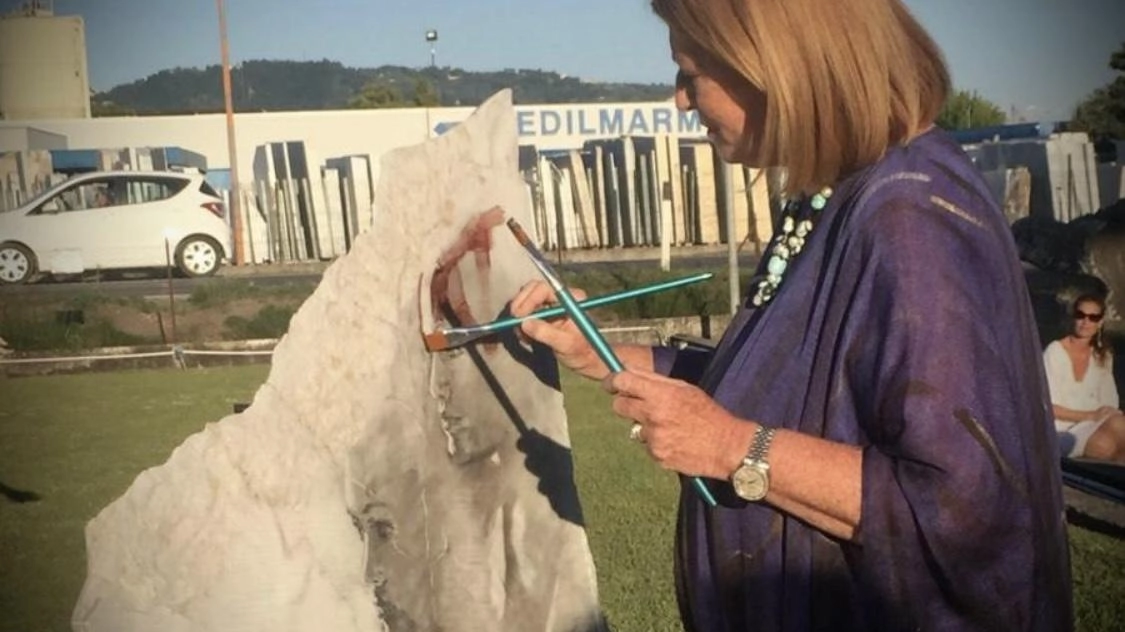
[329,137]
[29,139]
[43,71]
[365,132]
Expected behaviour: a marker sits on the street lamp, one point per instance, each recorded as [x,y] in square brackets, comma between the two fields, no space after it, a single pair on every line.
[431,37]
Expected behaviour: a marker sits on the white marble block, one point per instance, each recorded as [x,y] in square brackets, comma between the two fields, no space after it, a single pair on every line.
[372,485]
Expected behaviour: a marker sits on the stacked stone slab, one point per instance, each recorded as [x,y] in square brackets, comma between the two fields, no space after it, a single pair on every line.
[1063,168]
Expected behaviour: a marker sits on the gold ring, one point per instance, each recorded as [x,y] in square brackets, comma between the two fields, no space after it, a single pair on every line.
[635,433]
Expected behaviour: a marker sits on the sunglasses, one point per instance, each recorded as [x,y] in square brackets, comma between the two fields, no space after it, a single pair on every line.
[1081,315]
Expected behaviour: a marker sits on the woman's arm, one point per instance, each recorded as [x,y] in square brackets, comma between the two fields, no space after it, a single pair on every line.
[815,480]
[565,339]
[1109,396]
[686,431]
[1063,413]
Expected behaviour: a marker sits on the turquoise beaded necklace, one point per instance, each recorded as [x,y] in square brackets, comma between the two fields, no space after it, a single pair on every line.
[787,246]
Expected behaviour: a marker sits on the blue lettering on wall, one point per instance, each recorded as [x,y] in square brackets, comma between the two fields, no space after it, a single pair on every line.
[549,123]
[623,121]
[638,125]
[611,122]
[525,123]
[689,123]
[445,126]
[583,128]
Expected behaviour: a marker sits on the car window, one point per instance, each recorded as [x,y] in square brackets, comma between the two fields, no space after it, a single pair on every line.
[144,190]
[80,197]
[206,189]
[114,191]
[99,195]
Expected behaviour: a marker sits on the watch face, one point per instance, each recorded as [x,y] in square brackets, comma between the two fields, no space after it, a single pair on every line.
[750,482]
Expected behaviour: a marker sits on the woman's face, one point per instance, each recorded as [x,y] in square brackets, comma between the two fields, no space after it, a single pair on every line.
[1087,319]
[731,108]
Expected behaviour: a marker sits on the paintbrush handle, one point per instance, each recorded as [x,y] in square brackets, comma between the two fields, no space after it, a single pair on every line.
[581,320]
[585,325]
[593,336]
[590,303]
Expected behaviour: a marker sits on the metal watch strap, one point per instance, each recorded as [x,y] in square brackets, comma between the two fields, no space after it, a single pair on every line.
[760,446]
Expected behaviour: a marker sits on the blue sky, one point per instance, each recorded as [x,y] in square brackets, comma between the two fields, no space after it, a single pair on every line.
[1040,56]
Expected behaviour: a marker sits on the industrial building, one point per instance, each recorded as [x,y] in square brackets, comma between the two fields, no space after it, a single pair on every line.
[43,72]
[598,175]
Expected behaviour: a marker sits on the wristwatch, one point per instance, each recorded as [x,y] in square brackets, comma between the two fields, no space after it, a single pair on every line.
[751,480]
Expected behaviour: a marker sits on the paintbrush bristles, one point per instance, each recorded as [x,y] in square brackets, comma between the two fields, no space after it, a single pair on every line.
[518,231]
[435,341]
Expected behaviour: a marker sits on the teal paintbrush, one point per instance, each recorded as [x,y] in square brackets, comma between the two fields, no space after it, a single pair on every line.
[454,337]
[591,333]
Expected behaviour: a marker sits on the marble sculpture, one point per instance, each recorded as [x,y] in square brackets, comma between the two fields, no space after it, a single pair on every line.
[372,485]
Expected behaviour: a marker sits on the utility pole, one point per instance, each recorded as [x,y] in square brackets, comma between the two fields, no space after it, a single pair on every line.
[734,278]
[235,204]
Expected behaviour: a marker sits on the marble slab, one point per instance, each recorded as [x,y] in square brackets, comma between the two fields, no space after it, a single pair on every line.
[372,485]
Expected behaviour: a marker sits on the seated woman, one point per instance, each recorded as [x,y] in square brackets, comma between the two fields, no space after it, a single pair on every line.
[1080,375]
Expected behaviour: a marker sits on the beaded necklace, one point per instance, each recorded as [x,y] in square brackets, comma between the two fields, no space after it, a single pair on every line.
[788,245]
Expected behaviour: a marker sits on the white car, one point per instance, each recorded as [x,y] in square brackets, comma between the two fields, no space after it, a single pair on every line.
[115,220]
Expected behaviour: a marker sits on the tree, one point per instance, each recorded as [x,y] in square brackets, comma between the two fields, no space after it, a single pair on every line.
[1102,113]
[277,85]
[377,94]
[425,95]
[109,108]
[969,110]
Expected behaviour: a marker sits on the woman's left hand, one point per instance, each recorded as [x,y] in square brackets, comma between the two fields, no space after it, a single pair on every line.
[683,429]
[1105,412]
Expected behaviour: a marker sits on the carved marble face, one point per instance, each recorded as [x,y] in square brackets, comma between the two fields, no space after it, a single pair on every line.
[471,415]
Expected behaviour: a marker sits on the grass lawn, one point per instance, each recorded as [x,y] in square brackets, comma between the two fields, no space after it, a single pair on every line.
[78,441]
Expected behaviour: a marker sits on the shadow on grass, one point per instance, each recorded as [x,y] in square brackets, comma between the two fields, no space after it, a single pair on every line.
[1083,520]
[18,495]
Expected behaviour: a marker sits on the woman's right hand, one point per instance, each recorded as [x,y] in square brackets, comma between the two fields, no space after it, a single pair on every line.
[561,334]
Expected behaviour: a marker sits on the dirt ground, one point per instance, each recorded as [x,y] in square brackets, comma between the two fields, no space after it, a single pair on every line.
[194,323]
[108,322]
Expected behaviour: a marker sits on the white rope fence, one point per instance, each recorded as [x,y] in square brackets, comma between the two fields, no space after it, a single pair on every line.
[177,353]
[201,352]
[122,356]
[655,331]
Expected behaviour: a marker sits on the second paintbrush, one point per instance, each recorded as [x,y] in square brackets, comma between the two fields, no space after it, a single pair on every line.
[452,338]
[589,331]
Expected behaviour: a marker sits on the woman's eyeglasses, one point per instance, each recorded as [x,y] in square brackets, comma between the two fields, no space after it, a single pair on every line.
[1081,315]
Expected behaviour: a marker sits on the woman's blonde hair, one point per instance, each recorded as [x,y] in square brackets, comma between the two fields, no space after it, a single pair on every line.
[844,79]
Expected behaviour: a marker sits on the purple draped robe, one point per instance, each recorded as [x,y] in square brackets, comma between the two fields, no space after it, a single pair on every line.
[903,327]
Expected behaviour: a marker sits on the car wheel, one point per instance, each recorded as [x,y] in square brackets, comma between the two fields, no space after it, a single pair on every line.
[198,256]
[17,263]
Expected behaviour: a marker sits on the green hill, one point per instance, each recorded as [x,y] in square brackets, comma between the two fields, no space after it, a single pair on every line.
[263,85]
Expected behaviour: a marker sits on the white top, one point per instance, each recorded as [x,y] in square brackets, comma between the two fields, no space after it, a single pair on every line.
[1096,389]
